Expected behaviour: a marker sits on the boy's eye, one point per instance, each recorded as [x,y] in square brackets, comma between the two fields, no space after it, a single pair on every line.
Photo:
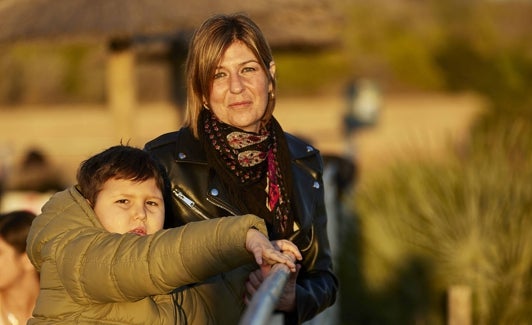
[152,203]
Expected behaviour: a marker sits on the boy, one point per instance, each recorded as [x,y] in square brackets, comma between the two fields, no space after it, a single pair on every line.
[104,258]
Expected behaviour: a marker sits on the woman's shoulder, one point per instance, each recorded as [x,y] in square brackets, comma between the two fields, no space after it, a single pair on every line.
[178,145]
[304,153]
[300,148]
[170,138]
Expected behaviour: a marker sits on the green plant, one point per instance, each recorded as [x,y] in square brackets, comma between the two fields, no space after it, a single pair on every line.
[309,73]
[426,225]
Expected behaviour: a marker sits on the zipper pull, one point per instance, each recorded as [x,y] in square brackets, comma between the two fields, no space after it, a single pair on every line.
[191,204]
[184,199]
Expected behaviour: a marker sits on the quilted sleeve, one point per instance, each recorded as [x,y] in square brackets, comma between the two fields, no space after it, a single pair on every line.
[113,267]
[95,266]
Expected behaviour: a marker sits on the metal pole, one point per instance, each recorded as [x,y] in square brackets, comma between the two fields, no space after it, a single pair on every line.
[262,305]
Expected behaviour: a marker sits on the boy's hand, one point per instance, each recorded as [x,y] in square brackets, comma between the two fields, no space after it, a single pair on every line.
[266,253]
[288,248]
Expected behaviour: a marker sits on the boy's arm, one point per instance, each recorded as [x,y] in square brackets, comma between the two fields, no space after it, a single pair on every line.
[69,247]
[114,267]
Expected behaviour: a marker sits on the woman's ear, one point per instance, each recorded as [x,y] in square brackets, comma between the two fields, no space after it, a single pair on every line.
[272,75]
[272,69]
[205,103]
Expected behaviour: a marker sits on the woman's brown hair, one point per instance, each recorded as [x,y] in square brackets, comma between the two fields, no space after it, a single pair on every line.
[206,49]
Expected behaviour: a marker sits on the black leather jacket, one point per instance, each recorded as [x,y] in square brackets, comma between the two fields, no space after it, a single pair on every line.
[197,194]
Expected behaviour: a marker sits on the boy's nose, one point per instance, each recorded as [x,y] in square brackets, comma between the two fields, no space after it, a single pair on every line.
[140,213]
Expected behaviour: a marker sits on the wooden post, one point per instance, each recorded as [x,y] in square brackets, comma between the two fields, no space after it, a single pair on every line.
[121,88]
[459,305]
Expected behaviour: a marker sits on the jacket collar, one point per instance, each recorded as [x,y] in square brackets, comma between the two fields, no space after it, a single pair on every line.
[188,149]
[298,148]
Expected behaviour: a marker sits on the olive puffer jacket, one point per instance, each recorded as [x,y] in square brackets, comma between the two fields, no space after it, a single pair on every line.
[89,275]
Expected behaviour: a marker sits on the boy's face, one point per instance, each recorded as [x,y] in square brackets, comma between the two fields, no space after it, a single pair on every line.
[125,206]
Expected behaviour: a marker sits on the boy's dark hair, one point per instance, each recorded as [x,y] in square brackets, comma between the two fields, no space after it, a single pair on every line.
[14,228]
[117,162]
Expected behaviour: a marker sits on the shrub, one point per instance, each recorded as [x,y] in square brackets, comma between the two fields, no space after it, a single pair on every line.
[427,225]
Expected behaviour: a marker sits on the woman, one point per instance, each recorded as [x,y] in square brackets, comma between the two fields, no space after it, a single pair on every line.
[232,157]
[19,281]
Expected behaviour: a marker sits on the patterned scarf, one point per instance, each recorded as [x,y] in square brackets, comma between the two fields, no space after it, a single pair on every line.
[244,158]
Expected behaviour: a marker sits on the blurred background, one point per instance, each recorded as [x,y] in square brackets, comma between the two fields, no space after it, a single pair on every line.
[422,109]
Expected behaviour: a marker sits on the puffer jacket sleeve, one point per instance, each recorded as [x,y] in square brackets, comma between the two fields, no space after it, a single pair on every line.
[96,266]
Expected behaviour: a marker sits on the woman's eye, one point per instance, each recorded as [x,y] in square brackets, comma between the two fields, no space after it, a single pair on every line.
[249,69]
[219,75]
[122,201]
[152,203]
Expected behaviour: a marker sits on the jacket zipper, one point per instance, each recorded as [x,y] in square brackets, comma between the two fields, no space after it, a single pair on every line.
[221,205]
[188,202]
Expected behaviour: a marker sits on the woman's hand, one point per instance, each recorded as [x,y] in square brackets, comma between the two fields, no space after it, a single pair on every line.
[287,301]
[267,253]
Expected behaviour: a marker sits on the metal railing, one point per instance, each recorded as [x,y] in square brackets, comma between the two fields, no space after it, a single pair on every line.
[262,305]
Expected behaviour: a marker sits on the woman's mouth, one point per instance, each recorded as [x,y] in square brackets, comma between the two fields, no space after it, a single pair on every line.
[241,104]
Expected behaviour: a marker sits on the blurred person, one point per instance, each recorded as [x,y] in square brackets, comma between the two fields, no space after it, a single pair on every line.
[364,103]
[5,162]
[31,183]
[36,173]
[104,258]
[19,281]
[232,157]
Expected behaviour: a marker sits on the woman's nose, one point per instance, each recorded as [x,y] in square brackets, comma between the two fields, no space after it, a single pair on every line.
[236,84]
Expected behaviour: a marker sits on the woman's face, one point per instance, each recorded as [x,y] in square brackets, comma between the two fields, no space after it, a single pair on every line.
[12,265]
[240,88]
[125,206]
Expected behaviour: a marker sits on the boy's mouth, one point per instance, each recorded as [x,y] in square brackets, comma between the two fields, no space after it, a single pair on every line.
[138,231]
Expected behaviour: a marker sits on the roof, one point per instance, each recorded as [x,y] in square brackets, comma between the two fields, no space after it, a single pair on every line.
[284,22]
